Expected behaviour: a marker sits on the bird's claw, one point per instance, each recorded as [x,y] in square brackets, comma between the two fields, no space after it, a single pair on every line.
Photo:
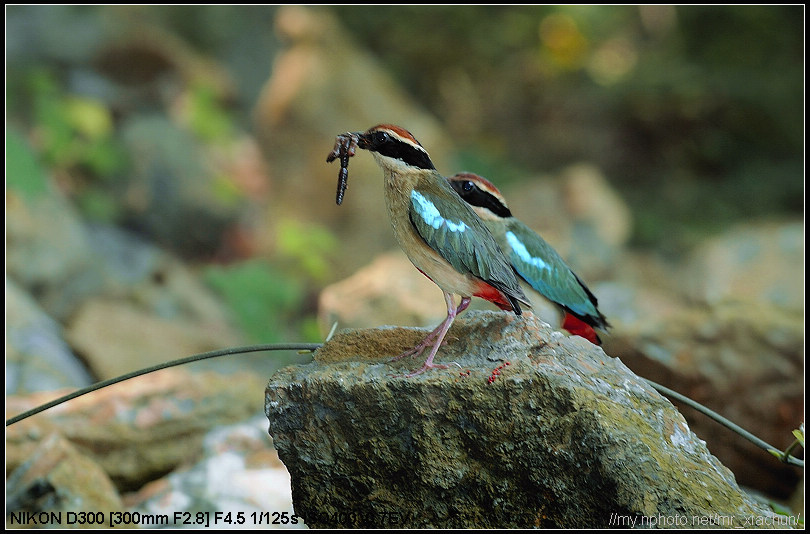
[420,348]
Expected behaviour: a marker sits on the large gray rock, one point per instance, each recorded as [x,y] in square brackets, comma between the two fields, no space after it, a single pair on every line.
[532,429]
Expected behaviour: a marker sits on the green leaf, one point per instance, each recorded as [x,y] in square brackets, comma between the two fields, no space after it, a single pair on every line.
[24,173]
[799,435]
[779,454]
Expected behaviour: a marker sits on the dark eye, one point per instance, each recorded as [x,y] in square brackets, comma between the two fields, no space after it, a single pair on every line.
[467,186]
[380,138]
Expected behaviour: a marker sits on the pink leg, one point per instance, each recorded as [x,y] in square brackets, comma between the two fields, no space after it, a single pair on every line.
[431,336]
[452,311]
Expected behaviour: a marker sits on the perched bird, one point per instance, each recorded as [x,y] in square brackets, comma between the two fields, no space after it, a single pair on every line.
[438,231]
[537,263]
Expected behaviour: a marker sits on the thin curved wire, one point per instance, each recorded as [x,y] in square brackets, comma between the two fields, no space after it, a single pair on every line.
[786,458]
[165,365]
[308,347]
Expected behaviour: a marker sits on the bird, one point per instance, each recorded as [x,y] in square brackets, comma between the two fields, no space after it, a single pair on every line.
[439,232]
[534,260]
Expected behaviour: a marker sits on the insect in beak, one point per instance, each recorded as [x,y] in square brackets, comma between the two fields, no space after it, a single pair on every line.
[345,146]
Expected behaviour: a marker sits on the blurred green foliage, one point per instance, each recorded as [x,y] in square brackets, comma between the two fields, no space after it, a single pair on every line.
[263,299]
[24,173]
[207,116]
[308,246]
[71,135]
[275,301]
[73,131]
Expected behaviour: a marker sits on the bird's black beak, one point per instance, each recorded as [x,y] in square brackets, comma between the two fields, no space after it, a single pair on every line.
[363,140]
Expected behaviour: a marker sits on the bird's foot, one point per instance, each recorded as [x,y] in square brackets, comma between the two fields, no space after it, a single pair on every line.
[420,348]
[413,352]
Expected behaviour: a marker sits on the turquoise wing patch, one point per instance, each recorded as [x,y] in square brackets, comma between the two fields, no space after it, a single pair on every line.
[543,269]
[461,239]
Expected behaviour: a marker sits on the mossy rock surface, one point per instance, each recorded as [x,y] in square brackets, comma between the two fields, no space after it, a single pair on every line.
[532,429]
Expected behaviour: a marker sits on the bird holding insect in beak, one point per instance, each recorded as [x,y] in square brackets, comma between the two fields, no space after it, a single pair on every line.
[436,229]
[537,263]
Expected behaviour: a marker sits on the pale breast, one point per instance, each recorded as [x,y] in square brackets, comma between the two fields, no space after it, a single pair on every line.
[424,258]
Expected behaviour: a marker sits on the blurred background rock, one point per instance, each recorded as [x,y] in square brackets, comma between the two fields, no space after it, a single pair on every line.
[167,190]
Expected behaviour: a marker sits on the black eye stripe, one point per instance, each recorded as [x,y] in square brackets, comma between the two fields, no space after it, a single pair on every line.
[392,147]
[475,196]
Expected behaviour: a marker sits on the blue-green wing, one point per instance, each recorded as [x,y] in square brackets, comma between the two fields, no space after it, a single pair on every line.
[453,230]
[543,269]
